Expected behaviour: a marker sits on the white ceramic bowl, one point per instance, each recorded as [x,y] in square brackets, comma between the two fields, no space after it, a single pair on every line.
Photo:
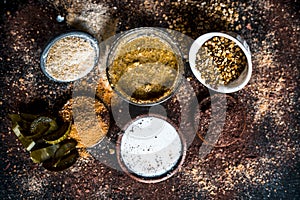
[235,85]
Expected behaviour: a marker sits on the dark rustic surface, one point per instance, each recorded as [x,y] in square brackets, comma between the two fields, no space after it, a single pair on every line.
[263,164]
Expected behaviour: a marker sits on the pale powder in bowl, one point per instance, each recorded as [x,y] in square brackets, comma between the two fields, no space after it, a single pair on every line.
[69,57]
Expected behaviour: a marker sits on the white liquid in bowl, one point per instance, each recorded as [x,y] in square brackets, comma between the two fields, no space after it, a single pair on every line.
[150,147]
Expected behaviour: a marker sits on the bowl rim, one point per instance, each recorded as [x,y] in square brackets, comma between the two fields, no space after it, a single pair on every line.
[197,44]
[166,39]
[168,174]
[93,41]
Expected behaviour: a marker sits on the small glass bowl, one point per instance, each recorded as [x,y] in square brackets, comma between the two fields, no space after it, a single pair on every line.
[144,81]
[151,149]
[64,75]
[243,78]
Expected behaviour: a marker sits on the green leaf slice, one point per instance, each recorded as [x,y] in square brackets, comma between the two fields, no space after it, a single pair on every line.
[43,154]
[59,135]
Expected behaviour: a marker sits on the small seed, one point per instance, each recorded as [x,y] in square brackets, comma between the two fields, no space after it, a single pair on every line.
[220,62]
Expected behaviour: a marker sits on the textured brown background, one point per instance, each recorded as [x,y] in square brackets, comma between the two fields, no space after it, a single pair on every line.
[263,164]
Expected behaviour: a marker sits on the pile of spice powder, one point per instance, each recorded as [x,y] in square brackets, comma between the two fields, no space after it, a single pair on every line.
[145,71]
[70,58]
[91,120]
[220,61]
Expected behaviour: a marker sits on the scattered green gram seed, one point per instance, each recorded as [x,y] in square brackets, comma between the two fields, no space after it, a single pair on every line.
[220,61]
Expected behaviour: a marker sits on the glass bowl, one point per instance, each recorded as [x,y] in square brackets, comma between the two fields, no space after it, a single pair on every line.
[144,66]
[69,56]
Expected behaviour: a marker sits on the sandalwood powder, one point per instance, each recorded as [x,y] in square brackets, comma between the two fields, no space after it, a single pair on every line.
[70,58]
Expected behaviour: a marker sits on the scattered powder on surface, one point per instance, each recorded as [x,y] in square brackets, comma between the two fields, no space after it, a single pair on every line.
[88,16]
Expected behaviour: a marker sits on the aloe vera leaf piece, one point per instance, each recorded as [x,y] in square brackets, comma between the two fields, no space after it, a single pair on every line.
[28,117]
[26,142]
[59,135]
[41,155]
[15,118]
[61,163]
[42,126]
[65,148]
[25,127]
[39,131]
[24,124]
